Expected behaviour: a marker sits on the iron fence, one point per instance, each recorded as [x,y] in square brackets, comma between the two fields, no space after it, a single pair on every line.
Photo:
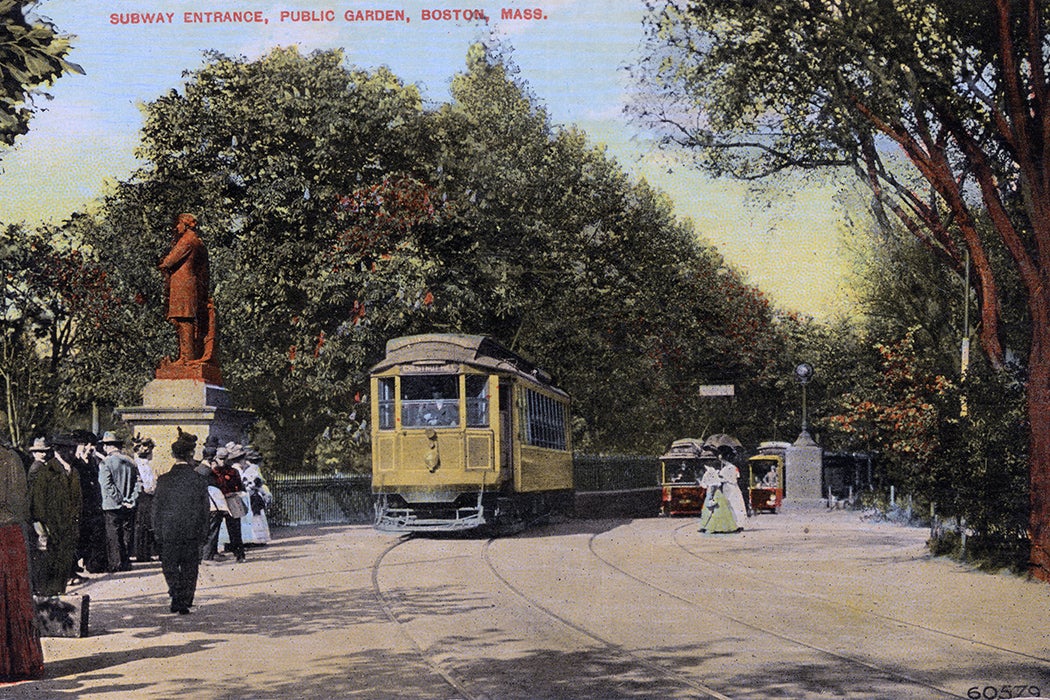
[615,472]
[314,499]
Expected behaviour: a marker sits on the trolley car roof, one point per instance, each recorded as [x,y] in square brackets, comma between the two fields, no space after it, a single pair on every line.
[475,350]
[687,448]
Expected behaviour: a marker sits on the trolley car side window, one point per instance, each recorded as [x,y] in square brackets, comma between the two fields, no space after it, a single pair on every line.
[386,403]
[430,401]
[477,400]
[544,421]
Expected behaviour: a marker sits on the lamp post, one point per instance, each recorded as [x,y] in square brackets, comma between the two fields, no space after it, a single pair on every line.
[803,373]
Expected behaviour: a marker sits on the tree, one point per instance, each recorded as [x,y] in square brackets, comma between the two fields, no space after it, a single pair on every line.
[264,152]
[54,297]
[899,414]
[338,213]
[942,109]
[589,273]
[30,55]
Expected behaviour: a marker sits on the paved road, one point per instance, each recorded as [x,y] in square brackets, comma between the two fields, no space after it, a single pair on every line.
[807,603]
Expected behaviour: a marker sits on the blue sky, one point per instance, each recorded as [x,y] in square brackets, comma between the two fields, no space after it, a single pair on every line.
[572,60]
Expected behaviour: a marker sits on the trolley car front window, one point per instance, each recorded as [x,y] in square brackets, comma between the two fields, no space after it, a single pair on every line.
[430,401]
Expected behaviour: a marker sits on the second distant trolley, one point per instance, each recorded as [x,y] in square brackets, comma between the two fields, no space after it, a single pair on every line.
[766,477]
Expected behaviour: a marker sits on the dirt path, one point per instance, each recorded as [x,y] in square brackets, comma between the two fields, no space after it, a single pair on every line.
[807,603]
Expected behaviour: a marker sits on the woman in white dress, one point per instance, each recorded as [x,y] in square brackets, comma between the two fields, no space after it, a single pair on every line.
[730,476]
[711,482]
[259,498]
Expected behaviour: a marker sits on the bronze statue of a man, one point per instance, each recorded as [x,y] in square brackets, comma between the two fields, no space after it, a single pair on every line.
[185,269]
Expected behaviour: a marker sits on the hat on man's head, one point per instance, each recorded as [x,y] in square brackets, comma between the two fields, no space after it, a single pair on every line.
[65,440]
[110,438]
[237,452]
[40,445]
[222,453]
[84,437]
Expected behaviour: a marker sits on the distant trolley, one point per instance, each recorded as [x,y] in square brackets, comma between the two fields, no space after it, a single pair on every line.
[766,477]
[465,435]
[681,468]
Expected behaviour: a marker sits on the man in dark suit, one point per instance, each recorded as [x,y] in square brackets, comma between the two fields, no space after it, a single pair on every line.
[180,523]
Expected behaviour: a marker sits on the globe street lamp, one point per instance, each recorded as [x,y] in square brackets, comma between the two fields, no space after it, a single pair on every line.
[803,373]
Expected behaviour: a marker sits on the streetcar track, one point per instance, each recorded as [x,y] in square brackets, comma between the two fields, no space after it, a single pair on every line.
[384,603]
[844,605]
[778,635]
[460,685]
[618,649]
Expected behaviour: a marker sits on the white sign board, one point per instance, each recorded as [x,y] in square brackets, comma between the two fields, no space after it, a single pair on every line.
[717,390]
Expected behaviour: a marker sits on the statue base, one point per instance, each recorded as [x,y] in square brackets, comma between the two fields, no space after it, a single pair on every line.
[191,404]
[196,370]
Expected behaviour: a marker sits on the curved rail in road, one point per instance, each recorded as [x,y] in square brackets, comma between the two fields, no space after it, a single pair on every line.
[644,610]
[753,577]
[388,610]
[889,671]
[611,646]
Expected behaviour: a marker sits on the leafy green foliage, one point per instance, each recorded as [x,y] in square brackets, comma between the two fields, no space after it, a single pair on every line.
[31,55]
[940,110]
[338,213]
[56,299]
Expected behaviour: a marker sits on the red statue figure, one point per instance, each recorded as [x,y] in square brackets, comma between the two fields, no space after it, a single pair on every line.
[189,308]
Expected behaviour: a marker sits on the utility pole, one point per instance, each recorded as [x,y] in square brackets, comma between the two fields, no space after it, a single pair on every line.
[964,362]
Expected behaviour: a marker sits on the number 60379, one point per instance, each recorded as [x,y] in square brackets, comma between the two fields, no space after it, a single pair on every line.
[1003,692]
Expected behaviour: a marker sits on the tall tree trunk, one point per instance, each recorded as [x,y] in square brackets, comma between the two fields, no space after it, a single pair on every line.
[1039,444]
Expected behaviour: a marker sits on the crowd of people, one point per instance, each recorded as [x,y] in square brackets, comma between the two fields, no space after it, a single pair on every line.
[79,505]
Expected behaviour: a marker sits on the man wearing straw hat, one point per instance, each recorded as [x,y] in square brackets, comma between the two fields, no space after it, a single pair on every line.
[40,450]
[119,481]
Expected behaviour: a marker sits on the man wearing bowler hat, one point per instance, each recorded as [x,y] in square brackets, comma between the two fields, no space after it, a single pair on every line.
[180,523]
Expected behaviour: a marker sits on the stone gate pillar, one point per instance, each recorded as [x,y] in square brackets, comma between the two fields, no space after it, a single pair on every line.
[803,469]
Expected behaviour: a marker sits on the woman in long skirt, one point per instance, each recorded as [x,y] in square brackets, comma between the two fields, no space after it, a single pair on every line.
[719,514]
[711,483]
[730,477]
[21,656]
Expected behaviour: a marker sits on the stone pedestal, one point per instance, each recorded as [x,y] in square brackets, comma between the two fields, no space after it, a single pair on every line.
[193,405]
[803,469]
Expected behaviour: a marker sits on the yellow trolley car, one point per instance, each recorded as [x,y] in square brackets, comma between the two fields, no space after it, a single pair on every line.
[766,488]
[466,434]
